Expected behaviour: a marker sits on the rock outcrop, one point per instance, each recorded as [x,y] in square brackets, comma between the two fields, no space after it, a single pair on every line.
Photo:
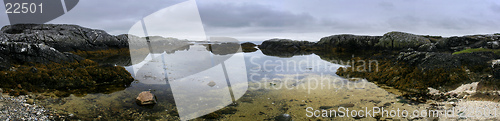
[432,60]
[350,42]
[21,53]
[248,47]
[495,64]
[63,38]
[286,47]
[286,44]
[50,43]
[401,40]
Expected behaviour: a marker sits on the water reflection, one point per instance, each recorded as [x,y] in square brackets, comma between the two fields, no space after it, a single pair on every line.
[197,81]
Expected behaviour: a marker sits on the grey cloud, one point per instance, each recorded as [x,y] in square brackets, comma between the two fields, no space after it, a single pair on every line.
[250,15]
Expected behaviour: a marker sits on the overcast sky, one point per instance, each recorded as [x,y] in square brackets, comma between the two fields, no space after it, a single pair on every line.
[251,20]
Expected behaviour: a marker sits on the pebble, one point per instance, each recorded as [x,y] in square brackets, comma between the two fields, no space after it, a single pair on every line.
[30,101]
[15,108]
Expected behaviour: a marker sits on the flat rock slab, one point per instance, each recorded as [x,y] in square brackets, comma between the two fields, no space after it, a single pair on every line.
[146,98]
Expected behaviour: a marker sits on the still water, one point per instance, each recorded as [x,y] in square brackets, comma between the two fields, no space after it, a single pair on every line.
[196,84]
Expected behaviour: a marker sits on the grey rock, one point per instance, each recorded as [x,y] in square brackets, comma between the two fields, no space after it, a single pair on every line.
[21,52]
[62,37]
[432,60]
[496,68]
[493,45]
[286,47]
[349,41]
[429,47]
[285,44]
[471,41]
[401,40]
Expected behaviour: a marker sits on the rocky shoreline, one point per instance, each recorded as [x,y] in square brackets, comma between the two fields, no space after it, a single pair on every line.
[69,59]
[413,55]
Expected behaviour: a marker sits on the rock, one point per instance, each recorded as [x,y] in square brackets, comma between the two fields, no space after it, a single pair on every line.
[401,40]
[21,52]
[30,101]
[346,105]
[325,107]
[350,42]
[286,44]
[146,98]
[248,47]
[473,41]
[286,47]
[62,37]
[224,48]
[211,84]
[429,47]
[283,117]
[432,60]
[495,65]
[493,45]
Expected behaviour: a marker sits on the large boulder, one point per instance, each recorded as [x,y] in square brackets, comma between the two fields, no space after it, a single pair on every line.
[349,41]
[401,40]
[456,43]
[62,37]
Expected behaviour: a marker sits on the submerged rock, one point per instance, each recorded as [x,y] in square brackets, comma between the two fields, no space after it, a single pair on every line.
[146,98]
[283,117]
[211,84]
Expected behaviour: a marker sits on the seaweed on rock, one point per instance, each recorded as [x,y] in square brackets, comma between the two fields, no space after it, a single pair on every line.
[75,77]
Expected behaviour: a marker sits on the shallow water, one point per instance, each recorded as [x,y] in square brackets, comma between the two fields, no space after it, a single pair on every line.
[191,83]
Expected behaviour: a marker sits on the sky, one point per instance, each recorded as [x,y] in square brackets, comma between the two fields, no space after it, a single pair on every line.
[257,20]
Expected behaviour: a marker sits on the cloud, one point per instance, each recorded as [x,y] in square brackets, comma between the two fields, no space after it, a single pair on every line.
[250,15]
[308,20]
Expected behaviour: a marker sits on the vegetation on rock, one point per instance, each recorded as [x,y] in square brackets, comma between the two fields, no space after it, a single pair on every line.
[470,50]
[71,77]
[406,77]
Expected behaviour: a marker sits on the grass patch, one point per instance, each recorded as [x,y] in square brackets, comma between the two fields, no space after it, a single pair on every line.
[496,51]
